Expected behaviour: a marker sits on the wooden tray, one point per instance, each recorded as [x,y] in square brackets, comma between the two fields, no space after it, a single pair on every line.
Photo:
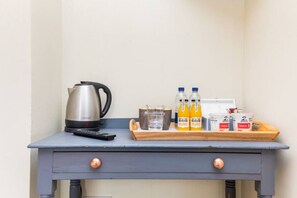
[265,133]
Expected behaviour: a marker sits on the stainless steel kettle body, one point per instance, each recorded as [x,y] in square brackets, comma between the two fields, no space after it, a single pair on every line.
[84,105]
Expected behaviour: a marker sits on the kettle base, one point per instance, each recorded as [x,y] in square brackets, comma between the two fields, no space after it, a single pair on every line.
[82,124]
[71,130]
[71,125]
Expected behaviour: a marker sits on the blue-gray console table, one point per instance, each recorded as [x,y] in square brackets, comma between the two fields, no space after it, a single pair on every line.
[64,156]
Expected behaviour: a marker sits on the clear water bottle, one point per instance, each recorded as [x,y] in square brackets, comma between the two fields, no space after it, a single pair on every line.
[181,96]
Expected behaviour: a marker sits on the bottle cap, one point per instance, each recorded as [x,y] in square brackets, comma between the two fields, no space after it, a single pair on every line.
[181,89]
[195,89]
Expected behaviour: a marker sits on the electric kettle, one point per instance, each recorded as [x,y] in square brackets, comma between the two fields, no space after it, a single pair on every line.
[84,108]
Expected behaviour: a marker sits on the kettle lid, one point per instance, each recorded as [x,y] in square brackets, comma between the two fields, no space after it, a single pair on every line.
[82,84]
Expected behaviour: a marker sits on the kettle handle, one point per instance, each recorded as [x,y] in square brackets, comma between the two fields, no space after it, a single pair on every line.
[108,96]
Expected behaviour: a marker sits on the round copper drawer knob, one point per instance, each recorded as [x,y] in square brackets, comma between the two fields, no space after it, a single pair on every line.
[218,163]
[95,163]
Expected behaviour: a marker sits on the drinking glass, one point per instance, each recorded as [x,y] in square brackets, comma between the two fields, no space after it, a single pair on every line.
[155,120]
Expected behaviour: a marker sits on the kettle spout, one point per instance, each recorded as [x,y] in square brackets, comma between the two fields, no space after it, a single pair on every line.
[70,90]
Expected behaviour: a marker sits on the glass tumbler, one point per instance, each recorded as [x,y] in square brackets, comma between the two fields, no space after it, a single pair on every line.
[155,120]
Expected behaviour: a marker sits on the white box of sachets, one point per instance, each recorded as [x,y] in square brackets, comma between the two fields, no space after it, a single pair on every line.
[216,106]
[242,121]
[220,122]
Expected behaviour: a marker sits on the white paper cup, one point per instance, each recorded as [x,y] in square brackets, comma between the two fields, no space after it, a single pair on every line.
[242,121]
[219,122]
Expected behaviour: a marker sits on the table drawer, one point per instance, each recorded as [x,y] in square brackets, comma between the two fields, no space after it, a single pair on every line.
[136,162]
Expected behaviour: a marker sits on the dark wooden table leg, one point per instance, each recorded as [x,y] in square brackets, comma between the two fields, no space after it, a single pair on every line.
[230,189]
[75,189]
[257,188]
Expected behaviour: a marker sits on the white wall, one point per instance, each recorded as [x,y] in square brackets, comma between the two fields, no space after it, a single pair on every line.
[144,50]
[46,74]
[15,100]
[270,80]
[119,43]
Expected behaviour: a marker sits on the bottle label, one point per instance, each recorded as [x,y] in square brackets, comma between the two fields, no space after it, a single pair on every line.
[196,122]
[183,122]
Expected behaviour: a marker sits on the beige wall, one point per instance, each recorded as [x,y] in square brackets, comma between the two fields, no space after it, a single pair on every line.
[15,97]
[46,74]
[119,43]
[143,50]
[270,80]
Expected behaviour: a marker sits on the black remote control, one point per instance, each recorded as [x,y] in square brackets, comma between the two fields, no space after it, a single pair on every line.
[94,134]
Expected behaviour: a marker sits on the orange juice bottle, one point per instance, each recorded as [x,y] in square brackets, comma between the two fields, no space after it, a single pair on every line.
[195,111]
[183,114]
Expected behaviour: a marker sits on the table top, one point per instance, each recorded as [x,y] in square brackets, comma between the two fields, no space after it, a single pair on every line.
[124,141]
